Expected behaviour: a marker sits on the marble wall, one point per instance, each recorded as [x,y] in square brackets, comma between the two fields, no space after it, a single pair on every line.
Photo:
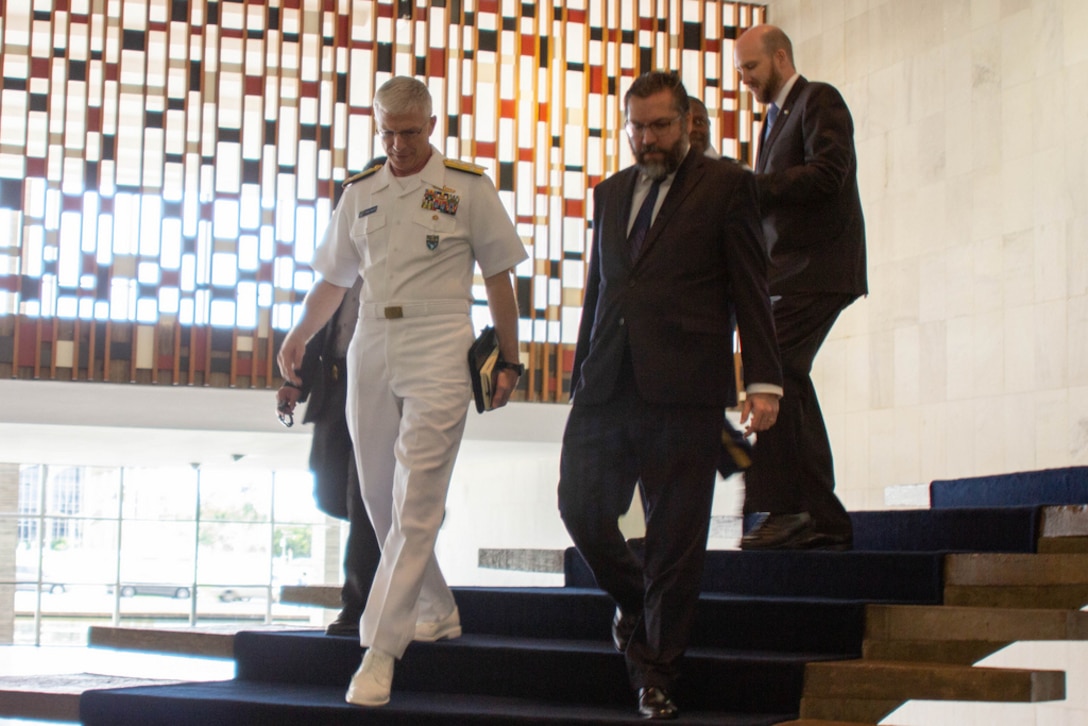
[970,355]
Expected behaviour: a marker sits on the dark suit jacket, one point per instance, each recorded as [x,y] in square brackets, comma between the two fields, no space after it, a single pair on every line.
[701,261]
[324,390]
[806,173]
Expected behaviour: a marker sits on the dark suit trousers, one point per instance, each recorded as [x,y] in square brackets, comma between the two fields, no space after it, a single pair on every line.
[670,451]
[792,468]
[336,489]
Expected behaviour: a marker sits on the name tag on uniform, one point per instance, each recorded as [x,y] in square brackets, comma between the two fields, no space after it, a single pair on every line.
[441,200]
[365,212]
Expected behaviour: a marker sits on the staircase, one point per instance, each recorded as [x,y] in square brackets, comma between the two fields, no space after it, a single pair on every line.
[990,600]
[782,637]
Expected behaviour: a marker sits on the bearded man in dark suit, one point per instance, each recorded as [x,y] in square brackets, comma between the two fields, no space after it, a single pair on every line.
[806,174]
[676,251]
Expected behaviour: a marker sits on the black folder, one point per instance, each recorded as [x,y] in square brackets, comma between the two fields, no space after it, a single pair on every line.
[482,357]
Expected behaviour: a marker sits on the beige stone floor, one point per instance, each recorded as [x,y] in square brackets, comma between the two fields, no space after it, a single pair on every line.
[61,668]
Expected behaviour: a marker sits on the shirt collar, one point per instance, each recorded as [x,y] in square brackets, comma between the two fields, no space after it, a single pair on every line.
[784,91]
[434,172]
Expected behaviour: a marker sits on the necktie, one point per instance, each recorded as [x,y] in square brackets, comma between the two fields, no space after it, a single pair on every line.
[642,221]
[772,115]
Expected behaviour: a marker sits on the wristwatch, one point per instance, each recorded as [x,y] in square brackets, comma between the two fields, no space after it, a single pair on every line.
[518,368]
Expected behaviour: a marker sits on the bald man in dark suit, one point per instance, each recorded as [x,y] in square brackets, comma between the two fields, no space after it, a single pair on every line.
[676,251]
[806,174]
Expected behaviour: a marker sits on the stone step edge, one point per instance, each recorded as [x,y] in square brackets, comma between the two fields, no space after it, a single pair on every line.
[210,642]
[1062,545]
[972,623]
[1070,520]
[326,596]
[55,697]
[888,680]
[994,569]
[960,652]
[1014,597]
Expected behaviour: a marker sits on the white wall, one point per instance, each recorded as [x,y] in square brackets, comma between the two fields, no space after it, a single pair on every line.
[970,355]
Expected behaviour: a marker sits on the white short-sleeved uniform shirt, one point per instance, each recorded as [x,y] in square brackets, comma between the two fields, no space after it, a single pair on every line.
[418,238]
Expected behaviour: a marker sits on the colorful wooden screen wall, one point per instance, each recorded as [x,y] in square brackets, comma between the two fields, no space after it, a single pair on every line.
[167,166]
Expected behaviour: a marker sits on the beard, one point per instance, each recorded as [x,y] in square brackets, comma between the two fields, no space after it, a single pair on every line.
[767,91]
[658,169]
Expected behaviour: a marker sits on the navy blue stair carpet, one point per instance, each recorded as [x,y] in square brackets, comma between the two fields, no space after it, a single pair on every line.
[1067,485]
[544,656]
[476,679]
[529,655]
[254,703]
[892,577]
[970,529]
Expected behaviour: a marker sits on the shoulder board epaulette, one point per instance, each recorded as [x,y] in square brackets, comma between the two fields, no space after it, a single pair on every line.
[465,166]
[361,175]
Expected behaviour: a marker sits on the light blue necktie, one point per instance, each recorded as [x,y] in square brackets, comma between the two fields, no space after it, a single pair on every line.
[772,115]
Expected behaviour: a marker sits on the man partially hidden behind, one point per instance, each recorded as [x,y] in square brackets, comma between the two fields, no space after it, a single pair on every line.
[323,388]
[414,230]
[806,173]
[676,251]
[736,453]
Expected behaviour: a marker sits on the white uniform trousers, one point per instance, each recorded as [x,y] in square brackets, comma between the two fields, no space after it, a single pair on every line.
[408,399]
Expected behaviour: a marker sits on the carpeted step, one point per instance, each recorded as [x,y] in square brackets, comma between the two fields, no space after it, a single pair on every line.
[861,690]
[722,621]
[904,577]
[251,703]
[1068,485]
[570,671]
[975,529]
[1017,580]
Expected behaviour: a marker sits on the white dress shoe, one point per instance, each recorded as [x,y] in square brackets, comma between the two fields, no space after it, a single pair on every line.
[447,627]
[371,684]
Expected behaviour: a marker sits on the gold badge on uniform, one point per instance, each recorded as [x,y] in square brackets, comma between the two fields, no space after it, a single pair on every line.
[441,200]
[432,241]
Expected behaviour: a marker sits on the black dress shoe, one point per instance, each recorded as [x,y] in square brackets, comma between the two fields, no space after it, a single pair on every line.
[654,703]
[346,623]
[825,541]
[623,627]
[779,532]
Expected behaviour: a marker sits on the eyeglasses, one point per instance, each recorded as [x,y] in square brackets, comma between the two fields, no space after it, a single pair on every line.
[284,412]
[636,130]
[406,135]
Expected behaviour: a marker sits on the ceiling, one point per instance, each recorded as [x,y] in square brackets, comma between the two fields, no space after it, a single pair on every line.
[112,424]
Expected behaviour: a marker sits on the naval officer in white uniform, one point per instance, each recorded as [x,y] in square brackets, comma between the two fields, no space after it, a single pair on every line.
[414,229]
